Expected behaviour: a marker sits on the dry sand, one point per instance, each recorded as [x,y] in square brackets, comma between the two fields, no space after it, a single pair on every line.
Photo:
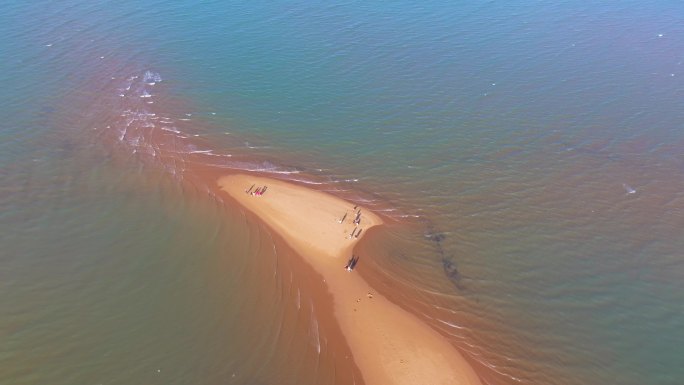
[389,345]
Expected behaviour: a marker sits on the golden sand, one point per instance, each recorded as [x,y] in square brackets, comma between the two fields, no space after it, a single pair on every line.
[389,345]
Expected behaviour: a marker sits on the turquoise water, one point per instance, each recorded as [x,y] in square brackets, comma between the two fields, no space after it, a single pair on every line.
[542,140]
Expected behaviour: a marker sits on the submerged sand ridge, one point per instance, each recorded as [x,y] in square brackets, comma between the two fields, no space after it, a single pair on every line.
[389,345]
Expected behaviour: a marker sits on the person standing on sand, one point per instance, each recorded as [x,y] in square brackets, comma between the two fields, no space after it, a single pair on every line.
[354,262]
[351,263]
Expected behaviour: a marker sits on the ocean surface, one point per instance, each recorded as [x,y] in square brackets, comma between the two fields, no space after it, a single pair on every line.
[529,153]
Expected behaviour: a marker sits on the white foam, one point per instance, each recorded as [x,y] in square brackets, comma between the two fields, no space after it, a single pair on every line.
[344,180]
[305,181]
[171,129]
[284,172]
[123,133]
[450,324]
[255,147]
[628,188]
[314,330]
[151,77]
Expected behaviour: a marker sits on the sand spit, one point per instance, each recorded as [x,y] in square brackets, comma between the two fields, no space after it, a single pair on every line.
[389,345]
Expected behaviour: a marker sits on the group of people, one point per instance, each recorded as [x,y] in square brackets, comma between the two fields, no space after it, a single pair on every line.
[355,233]
[356,222]
[258,192]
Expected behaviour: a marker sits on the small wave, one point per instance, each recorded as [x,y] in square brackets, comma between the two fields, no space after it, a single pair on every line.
[255,147]
[271,171]
[492,366]
[450,324]
[241,166]
[220,155]
[146,94]
[314,330]
[266,166]
[171,129]
[305,181]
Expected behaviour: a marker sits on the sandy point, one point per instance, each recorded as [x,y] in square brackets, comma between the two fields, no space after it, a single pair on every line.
[389,344]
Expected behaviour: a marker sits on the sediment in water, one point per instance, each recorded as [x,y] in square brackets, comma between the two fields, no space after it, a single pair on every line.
[364,347]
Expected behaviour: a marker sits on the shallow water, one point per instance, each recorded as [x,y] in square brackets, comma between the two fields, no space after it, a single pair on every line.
[538,143]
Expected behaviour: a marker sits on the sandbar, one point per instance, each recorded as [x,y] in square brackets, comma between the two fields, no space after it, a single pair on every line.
[389,344]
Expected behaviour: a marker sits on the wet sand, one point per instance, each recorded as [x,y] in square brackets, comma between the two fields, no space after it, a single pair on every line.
[389,345]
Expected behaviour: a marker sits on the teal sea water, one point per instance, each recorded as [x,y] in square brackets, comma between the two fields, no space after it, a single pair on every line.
[540,142]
